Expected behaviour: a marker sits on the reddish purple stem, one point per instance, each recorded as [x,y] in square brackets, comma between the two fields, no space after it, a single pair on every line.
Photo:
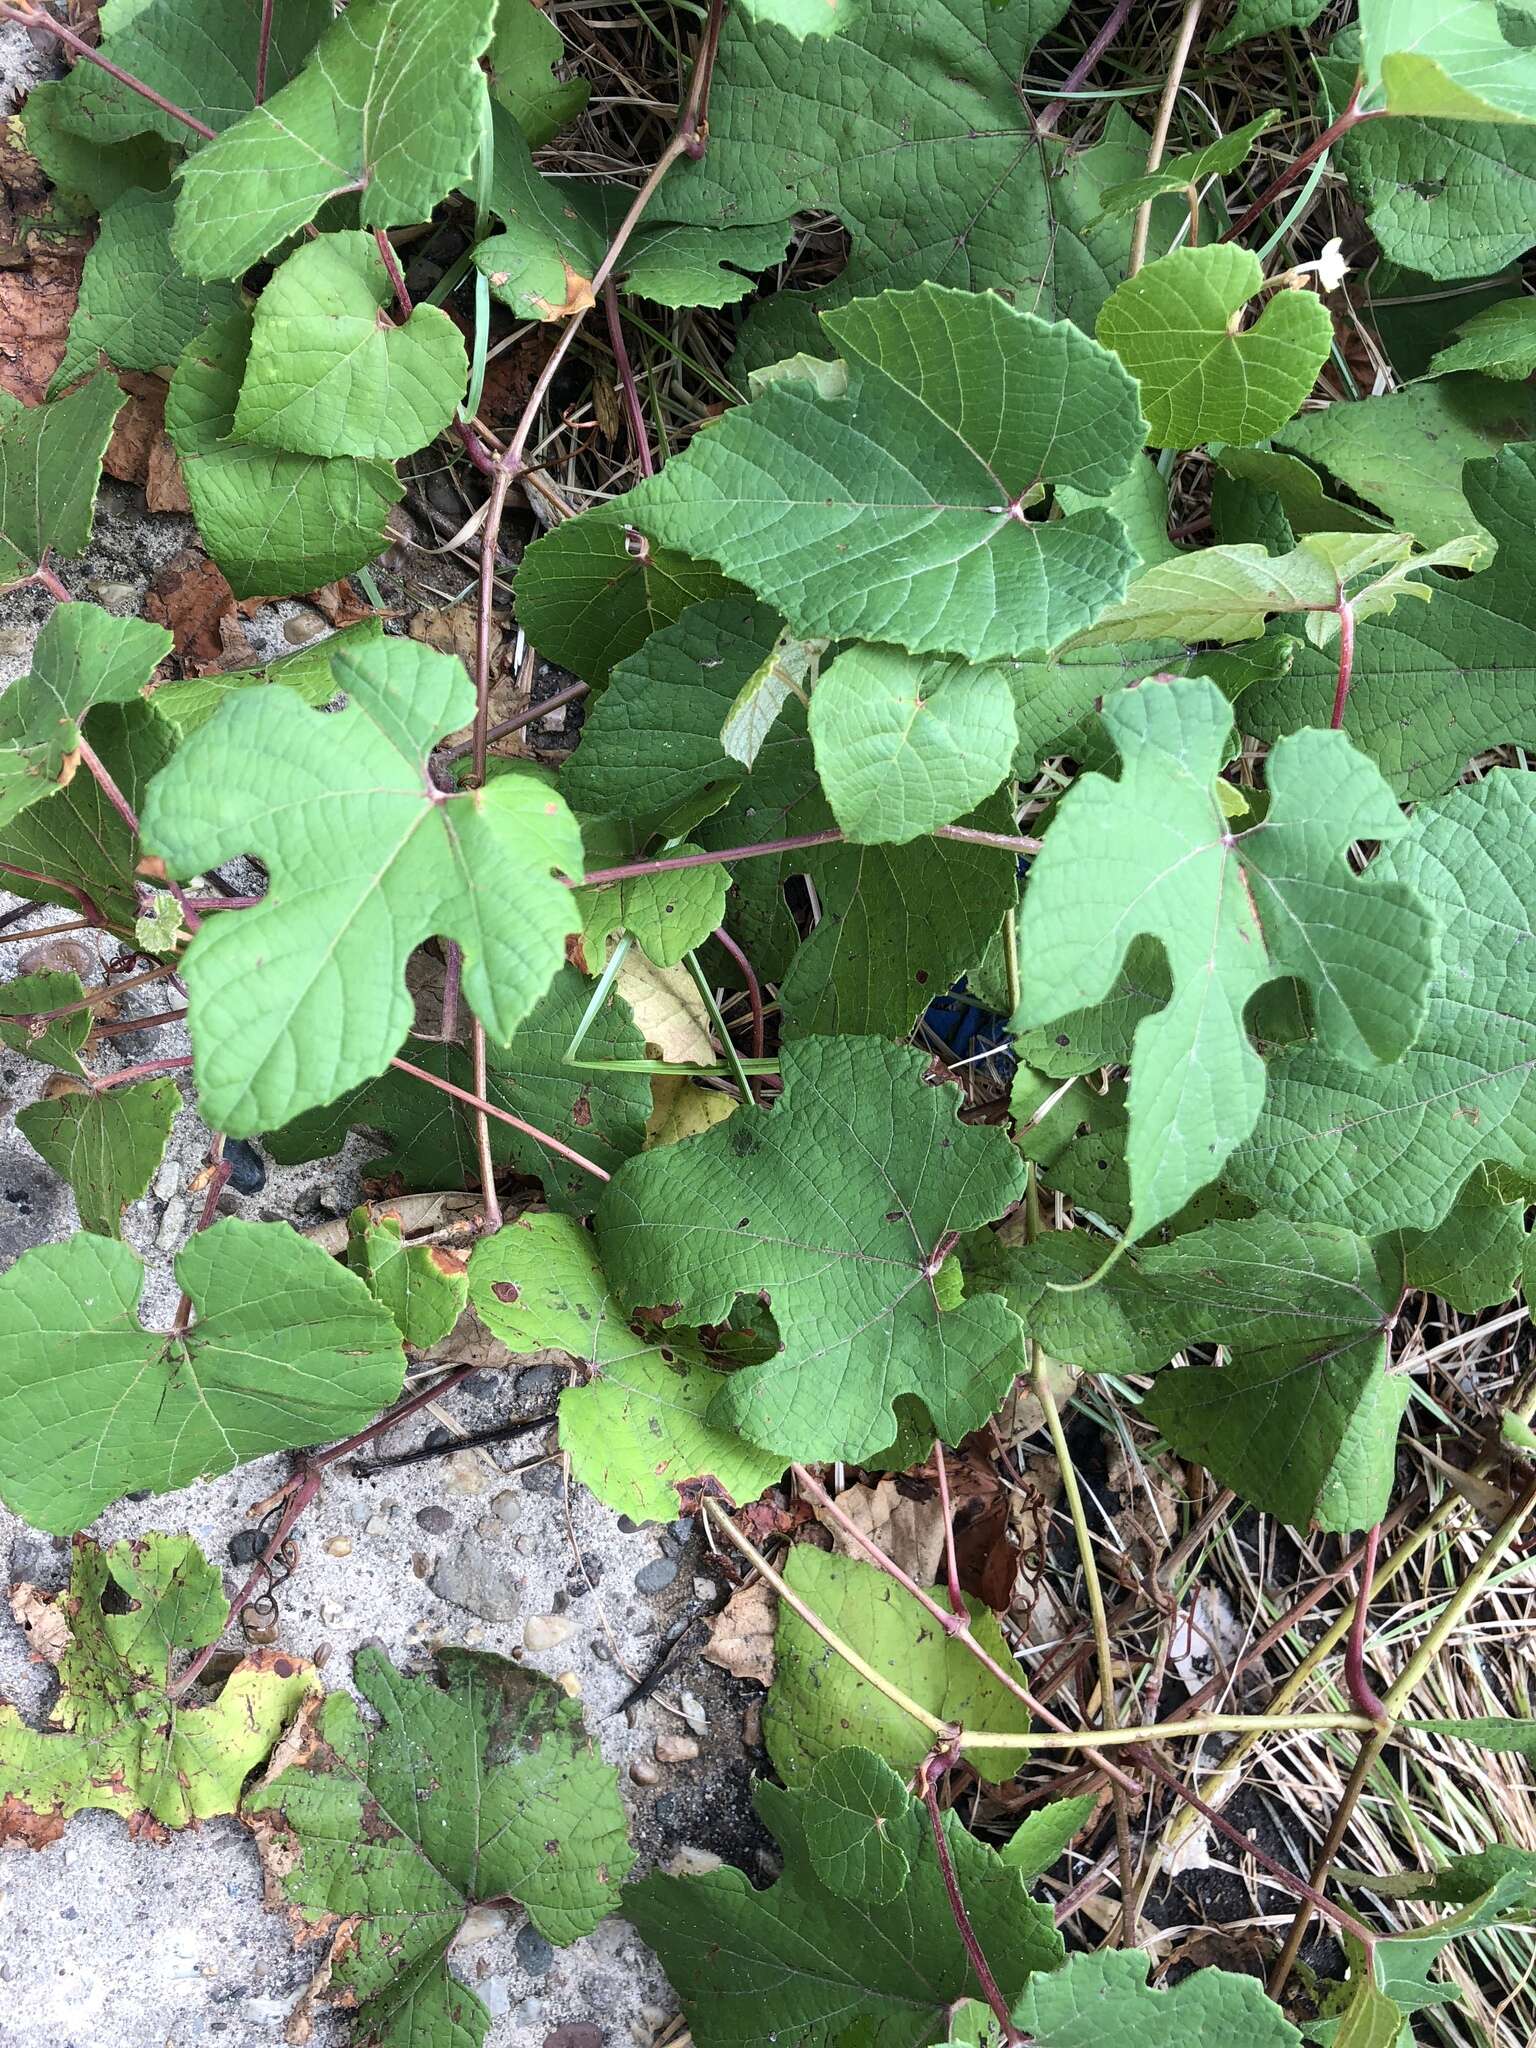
[1362,1694]
[142,1072]
[571,694]
[1350,118]
[395,273]
[630,391]
[30,17]
[754,987]
[93,916]
[263,50]
[1048,117]
[951,1565]
[1346,661]
[932,1769]
[505,1116]
[107,786]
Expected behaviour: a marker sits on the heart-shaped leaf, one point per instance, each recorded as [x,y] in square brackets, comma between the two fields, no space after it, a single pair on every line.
[330,374]
[1204,376]
[392,105]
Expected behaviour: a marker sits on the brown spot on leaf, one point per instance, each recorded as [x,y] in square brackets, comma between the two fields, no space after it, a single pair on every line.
[579,296]
[21,1828]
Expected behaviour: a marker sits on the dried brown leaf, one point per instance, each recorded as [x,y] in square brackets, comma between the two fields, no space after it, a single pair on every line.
[741,1635]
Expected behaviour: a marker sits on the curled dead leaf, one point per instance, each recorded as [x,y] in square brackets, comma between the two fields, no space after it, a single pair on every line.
[741,1635]
[42,1620]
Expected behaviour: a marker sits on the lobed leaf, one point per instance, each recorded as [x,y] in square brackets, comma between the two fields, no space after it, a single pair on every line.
[304,996]
[804,1960]
[485,1787]
[835,1203]
[636,1424]
[286,1349]
[120,1744]
[1390,1150]
[1154,855]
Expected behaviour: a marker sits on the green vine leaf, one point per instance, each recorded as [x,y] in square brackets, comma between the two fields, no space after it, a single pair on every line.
[525,52]
[911,132]
[199,54]
[486,1787]
[328,374]
[1187,172]
[1154,854]
[802,18]
[1109,1993]
[1250,18]
[1436,683]
[804,1961]
[1203,375]
[1449,199]
[60,1040]
[83,656]
[852,1833]
[1228,593]
[636,1427]
[392,105]
[88,174]
[1390,1150]
[898,923]
[75,841]
[50,466]
[900,513]
[119,1744]
[1500,341]
[592,592]
[425,1287]
[818,1703]
[599,1109]
[136,309]
[652,747]
[273,521]
[107,1146]
[557,231]
[789,670]
[837,1203]
[1474,1255]
[903,746]
[304,996]
[1471,62]
[1302,1417]
[286,1349]
[190,702]
[1405,454]
[667,915]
